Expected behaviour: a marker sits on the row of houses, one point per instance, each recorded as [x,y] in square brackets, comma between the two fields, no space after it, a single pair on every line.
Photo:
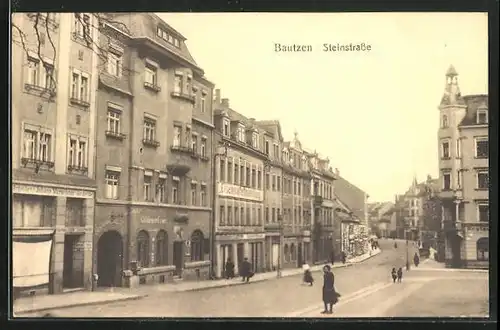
[126,161]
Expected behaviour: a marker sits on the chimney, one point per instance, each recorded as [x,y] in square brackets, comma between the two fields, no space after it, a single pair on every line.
[337,172]
[225,103]
[217,96]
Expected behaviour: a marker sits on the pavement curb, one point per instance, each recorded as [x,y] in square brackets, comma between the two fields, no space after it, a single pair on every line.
[89,303]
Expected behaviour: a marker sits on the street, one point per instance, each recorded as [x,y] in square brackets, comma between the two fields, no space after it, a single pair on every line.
[366,288]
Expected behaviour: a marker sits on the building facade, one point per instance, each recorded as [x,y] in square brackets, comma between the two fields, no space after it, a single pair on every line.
[53,134]
[464,175]
[239,199]
[153,164]
[326,240]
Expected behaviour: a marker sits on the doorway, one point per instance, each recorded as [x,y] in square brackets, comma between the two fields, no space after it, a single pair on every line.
[109,259]
[73,261]
[300,260]
[240,253]
[456,242]
[178,257]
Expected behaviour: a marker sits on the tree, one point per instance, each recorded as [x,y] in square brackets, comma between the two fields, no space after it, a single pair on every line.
[95,30]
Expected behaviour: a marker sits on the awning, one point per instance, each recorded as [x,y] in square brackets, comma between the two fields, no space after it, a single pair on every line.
[31,263]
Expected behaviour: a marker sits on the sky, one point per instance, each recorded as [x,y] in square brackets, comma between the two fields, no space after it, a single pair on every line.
[374,114]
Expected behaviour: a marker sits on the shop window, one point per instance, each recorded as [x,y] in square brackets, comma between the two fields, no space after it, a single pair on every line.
[482,246]
[75,212]
[197,251]
[143,248]
[286,253]
[161,248]
[293,252]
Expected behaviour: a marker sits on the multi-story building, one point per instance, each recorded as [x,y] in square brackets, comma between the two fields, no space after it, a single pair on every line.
[53,134]
[355,227]
[325,230]
[297,204]
[239,200]
[382,218]
[273,192]
[464,175]
[154,155]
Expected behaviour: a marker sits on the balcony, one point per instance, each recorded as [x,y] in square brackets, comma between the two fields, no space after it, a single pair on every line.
[152,87]
[79,102]
[115,135]
[183,96]
[182,149]
[451,194]
[37,163]
[151,143]
[40,91]
[77,169]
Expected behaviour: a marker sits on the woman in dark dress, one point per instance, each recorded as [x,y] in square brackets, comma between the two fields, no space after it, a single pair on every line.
[229,268]
[330,296]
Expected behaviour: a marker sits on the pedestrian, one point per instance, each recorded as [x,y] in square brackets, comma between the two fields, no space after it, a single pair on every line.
[416,259]
[332,257]
[344,257]
[229,268]
[395,245]
[394,275]
[400,274]
[308,279]
[330,296]
[245,270]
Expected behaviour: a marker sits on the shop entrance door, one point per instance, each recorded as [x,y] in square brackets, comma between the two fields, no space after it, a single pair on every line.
[73,262]
[109,259]
[300,260]
[178,258]
[240,252]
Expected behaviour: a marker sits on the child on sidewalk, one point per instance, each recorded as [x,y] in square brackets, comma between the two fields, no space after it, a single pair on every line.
[394,275]
[400,274]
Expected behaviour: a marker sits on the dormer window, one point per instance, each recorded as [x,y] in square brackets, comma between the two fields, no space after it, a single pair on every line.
[255,140]
[444,121]
[241,133]
[226,127]
[171,39]
[482,116]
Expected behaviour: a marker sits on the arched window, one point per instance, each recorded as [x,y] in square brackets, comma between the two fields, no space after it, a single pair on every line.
[286,253]
[143,248]
[444,121]
[197,246]
[161,248]
[483,248]
[293,252]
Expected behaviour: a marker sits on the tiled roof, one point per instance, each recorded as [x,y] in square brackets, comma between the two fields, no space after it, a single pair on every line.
[473,102]
[351,196]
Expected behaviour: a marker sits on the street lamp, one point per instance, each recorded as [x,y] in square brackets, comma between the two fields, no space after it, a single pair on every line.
[280,223]
[407,257]
[222,153]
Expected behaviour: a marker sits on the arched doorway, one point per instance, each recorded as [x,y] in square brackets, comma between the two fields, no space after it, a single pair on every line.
[483,247]
[109,259]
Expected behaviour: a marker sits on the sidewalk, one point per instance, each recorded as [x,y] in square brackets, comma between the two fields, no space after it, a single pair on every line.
[104,296]
[432,265]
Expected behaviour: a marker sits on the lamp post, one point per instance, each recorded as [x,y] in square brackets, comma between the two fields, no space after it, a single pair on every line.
[280,223]
[267,170]
[222,153]
[407,257]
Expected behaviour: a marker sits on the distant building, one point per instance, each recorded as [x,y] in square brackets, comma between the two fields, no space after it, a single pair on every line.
[464,175]
[382,219]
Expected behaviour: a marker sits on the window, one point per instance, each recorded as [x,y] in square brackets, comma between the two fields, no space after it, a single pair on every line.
[242,175]
[147,187]
[242,216]
[82,26]
[278,183]
[197,251]
[273,214]
[178,84]
[40,75]
[114,121]
[193,194]
[483,247]
[273,183]
[483,211]
[33,71]
[444,121]
[446,181]
[80,86]
[203,195]
[188,137]
[482,147]
[202,106]
[77,152]
[482,179]
[149,129]
[161,248]
[112,182]
[241,134]
[37,145]
[266,147]
[229,215]
[115,63]
[236,216]
[247,222]
[194,143]
[143,249]
[188,84]
[230,171]
[203,147]
[445,149]
[482,116]
[151,75]
[222,171]
[160,190]
[226,128]
[276,151]
[259,179]
[222,215]
[255,141]
[175,191]
[177,136]
[248,178]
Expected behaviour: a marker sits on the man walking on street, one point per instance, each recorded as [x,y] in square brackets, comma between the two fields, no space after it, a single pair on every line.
[246,270]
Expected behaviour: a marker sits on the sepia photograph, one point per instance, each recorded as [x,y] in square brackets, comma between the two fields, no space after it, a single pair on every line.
[237,165]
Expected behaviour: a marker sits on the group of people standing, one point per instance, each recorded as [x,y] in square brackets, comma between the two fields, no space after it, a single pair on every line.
[245,270]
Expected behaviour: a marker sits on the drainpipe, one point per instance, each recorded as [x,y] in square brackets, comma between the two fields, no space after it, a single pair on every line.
[213,158]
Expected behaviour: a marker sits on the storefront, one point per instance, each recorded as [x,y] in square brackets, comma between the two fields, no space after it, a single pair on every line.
[52,237]
[476,245]
[237,247]
[163,242]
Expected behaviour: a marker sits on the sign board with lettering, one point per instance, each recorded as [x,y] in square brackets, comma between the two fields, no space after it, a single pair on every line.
[28,189]
[230,190]
[153,220]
